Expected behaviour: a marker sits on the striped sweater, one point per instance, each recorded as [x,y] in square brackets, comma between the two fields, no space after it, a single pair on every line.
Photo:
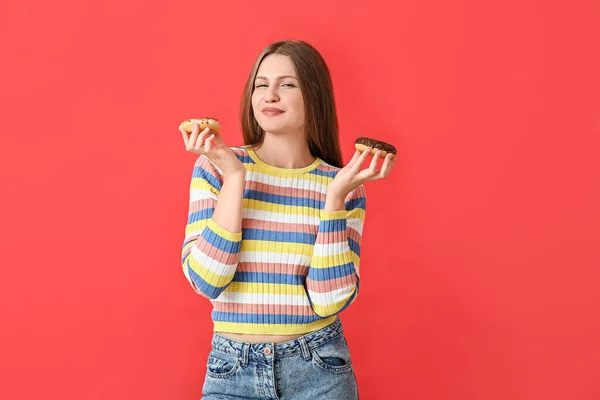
[293,267]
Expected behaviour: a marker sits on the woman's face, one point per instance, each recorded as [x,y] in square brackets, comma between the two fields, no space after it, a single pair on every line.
[276,86]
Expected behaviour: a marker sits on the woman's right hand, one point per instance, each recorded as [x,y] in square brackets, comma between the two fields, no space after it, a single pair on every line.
[222,155]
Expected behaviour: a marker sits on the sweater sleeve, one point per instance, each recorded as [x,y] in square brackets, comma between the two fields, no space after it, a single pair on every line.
[333,277]
[210,253]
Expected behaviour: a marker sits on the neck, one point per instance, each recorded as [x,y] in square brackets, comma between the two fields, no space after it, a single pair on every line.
[285,152]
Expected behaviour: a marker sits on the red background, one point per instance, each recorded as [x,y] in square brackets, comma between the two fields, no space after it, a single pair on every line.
[480,256]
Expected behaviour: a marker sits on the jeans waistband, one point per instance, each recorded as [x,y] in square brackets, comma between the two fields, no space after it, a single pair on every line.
[299,345]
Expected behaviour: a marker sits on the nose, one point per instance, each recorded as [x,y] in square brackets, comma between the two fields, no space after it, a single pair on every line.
[271,94]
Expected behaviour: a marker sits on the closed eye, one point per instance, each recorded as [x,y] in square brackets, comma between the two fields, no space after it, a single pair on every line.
[285,84]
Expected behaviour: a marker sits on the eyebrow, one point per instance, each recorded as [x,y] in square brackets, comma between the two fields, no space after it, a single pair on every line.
[280,77]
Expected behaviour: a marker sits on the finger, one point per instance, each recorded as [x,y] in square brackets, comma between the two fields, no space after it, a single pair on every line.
[200,140]
[185,137]
[374,161]
[387,165]
[194,134]
[354,158]
[358,164]
[364,176]
[208,143]
[195,128]
[371,173]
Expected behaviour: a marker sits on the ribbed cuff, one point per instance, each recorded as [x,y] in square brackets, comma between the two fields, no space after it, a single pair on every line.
[329,215]
[224,233]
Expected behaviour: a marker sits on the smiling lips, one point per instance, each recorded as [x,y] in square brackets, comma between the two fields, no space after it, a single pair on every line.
[271,111]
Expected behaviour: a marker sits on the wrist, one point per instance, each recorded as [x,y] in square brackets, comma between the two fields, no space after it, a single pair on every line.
[234,178]
[334,202]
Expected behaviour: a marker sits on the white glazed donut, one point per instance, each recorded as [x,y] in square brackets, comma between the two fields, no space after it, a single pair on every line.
[212,123]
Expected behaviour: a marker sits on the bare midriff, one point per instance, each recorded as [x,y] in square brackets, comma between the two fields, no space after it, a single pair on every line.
[252,338]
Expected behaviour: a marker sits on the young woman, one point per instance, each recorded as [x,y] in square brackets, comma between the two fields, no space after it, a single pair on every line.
[273,235]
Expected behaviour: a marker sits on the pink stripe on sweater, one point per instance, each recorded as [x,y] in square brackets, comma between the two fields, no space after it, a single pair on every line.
[354,235]
[215,253]
[279,226]
[201,205]
[286,191]
[332,237]
[263,267]
[327,168]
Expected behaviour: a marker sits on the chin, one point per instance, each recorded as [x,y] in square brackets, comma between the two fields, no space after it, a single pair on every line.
[273,131]
[272,128]
[277,127]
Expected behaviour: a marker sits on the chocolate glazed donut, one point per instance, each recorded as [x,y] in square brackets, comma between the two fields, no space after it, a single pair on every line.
[363,142]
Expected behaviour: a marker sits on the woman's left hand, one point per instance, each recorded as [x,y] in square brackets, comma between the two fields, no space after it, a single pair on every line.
[351,176]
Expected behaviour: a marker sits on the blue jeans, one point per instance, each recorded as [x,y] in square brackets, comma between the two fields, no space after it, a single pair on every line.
[316,366]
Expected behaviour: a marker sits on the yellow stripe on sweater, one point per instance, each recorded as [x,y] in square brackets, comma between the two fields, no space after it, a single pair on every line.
[320,179]
[201,183]
[208,275]
[265,329]
[277,247]
[267,288]
[196,226]
[331,261]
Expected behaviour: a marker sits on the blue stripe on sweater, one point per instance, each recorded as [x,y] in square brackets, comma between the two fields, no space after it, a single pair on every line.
[359,202]
[220,242]
[246,159]
[272,319]
[354,246]
[333,225]
[205,213]
[330,174]
[268,277]
[285,200]
[277,236]
[211,291]
[201,173]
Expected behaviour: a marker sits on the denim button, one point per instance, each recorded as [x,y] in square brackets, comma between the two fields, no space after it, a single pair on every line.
[267,350]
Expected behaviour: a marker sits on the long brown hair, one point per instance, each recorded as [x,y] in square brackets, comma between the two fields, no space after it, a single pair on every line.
[317,91]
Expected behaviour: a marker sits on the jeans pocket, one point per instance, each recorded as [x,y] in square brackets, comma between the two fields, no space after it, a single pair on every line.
[333,356]
[221,365]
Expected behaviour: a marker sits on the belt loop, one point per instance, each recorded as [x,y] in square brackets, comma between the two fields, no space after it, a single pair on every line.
[245,350]
[304,348]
